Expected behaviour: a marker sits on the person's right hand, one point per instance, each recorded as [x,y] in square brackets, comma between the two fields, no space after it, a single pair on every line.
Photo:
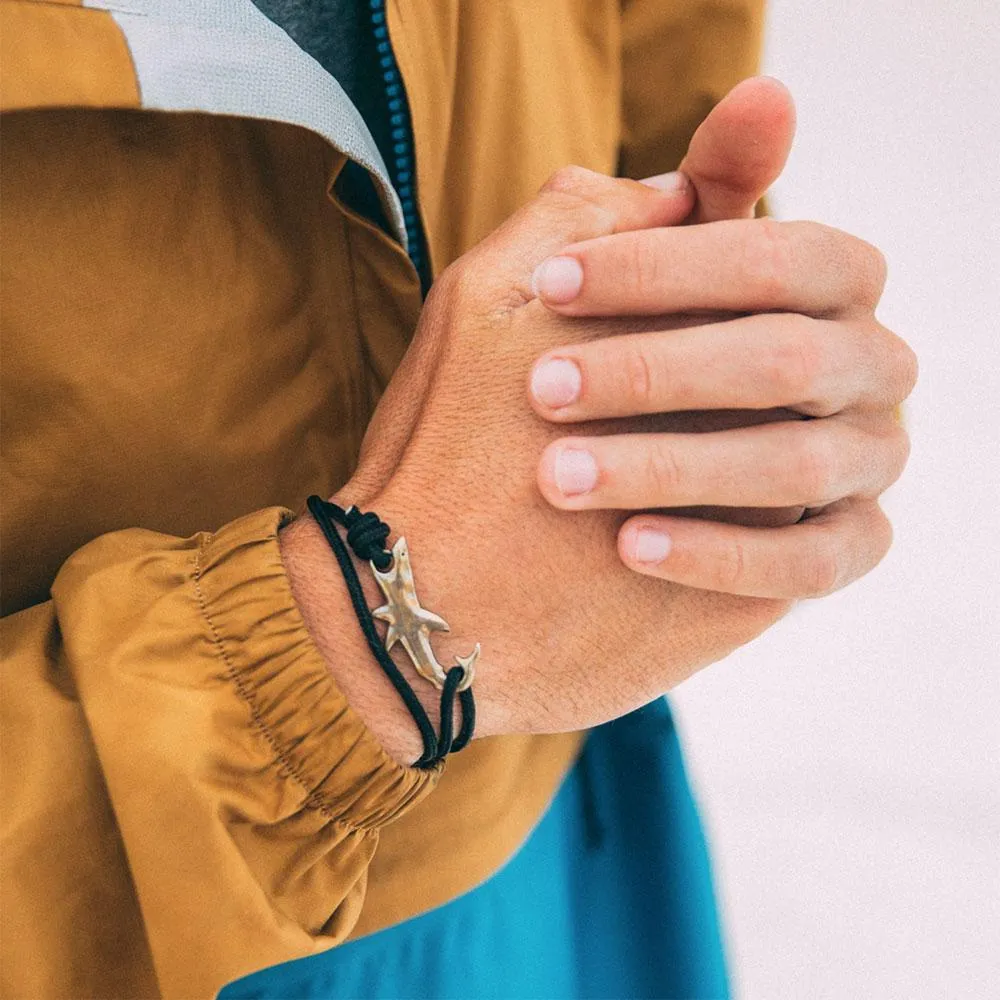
[570,637]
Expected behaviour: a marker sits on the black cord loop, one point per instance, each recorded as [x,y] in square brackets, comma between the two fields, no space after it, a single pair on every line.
[468,702]
[367,534]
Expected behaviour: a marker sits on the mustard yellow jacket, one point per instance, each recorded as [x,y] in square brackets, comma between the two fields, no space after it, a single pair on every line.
[195,333]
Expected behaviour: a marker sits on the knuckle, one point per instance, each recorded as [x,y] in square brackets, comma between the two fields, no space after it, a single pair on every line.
[798,360]
[591,217]
[814,468]
[570,179]
[880,534]
[862,266]
[730,567]
[457,288]
[640,268]
[873,273]
[662,473]
[886,445]
[640,379]
[890,364]
[820,572]
[906,363]
[898,441]
[856,269]
[766,258]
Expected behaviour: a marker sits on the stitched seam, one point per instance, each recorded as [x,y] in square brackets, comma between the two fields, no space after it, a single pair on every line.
[288,767]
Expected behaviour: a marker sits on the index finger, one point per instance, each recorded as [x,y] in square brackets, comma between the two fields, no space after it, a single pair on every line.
[753,265]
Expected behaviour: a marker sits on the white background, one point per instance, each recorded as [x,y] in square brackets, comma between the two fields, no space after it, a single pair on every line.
[847,761]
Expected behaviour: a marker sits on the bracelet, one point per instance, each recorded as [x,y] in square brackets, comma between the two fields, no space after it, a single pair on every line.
[409,624]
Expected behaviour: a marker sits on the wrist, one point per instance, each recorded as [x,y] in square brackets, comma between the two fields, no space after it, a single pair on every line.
[453,580]
[325,606]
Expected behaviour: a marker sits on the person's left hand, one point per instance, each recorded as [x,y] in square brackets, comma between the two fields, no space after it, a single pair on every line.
[762,315]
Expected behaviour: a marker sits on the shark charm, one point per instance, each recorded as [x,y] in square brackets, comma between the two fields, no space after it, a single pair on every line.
[411,625]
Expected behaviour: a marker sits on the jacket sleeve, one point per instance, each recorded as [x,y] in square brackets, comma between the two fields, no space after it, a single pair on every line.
[679,58]
[188,796]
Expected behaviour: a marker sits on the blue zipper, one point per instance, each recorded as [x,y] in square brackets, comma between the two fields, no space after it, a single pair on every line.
[401,160]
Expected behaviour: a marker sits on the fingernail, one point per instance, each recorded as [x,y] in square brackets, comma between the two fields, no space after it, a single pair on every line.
[556,382]
[558,280]
[650,546]
[576,472]
[670,183]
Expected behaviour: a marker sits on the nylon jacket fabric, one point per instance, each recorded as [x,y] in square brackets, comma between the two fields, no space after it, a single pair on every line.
[195,334]
[620,890]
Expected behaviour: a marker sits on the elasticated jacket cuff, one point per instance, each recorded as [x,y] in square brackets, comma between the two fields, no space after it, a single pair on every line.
[273,664]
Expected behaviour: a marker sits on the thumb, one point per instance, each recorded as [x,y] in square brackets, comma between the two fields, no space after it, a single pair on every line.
[740,149]
[574,205]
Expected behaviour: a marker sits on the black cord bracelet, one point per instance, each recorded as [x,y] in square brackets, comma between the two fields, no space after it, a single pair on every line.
[366,535]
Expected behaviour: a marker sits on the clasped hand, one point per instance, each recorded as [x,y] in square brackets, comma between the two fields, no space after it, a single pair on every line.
[726,380]
[802,336]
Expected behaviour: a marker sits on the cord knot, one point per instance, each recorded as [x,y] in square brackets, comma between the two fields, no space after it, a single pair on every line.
[366,535]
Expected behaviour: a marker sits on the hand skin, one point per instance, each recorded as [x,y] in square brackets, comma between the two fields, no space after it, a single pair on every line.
[810,345]
[571,637]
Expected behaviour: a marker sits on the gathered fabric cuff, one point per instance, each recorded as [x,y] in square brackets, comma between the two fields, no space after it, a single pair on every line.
[317,739]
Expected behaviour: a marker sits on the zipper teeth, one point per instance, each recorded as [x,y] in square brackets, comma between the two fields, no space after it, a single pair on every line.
[401,165]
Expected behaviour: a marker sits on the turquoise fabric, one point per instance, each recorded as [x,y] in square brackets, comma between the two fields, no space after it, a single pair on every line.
[610,897]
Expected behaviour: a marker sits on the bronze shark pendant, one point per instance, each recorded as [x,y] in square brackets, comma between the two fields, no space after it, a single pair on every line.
[411,625]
